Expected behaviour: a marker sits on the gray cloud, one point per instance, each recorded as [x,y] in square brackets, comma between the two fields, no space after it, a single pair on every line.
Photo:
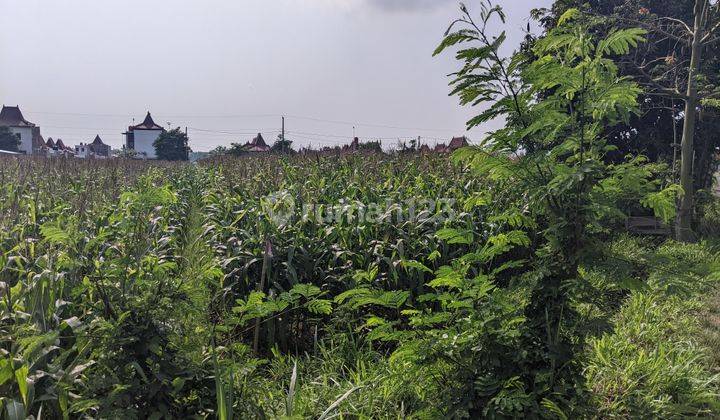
[409,5]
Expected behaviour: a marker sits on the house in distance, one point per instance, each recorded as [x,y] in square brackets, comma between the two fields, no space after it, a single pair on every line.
[30,139]
[141,137]
[97,149]
[256,145]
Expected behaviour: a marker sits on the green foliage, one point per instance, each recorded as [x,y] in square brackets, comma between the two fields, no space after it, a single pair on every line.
[709,220]
[282,145]
[235,149]
[663,202]
[651,364]
[153,289]
[548,165]
[172,145]
[134,291]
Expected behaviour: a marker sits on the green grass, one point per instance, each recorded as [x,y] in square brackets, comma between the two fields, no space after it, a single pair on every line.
[660,358]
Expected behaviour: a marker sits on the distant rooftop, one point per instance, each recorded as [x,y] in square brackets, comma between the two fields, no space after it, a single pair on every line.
[98,141]
[257,145]
[11,116]
[147,124]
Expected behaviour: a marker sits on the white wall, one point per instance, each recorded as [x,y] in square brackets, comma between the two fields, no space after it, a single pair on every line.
[81,151]
[144,140]
[25,138]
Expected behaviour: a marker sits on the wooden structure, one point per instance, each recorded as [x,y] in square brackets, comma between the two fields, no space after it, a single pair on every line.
[647,226]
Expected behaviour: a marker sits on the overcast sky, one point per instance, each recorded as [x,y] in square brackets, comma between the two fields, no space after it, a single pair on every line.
[230,68]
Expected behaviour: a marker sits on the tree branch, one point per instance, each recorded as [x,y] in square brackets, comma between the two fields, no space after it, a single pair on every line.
[678,21]
[657,29]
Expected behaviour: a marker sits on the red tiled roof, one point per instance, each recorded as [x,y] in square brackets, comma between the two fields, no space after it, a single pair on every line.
[257,145]
[11,116]
[147,124]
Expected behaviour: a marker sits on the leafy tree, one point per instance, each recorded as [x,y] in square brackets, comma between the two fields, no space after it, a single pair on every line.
[550,181]
[282,145]
[124,152]
[680,72]
[172,145]
[9,140]
[371,146]
[219,151]
[237,149]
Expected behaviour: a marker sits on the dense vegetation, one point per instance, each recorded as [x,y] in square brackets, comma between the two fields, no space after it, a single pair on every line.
[131,289]
[497,283]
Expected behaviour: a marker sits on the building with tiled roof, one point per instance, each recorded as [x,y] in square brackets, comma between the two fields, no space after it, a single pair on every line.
[257,145]
[29,133]
[97,149]
[458,143]
[141,137]
[61,149]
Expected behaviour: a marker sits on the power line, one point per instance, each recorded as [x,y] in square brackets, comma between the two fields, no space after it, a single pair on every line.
[238,116]
[370,125]
[329,138]
[243,132]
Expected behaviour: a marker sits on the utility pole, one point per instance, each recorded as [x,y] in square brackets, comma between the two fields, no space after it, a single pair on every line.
[282,145]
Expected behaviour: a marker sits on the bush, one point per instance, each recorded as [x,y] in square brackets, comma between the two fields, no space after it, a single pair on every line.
[709,220]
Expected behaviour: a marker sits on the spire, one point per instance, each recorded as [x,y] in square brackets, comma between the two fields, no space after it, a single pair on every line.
[147,124]
[148,120]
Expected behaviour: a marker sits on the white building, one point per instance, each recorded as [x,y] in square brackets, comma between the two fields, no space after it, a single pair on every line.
[141,137]
[30,139]
[82,151]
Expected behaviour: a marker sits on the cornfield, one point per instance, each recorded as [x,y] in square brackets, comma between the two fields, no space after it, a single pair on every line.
[121,279]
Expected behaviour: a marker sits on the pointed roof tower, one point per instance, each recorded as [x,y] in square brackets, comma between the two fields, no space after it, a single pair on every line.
[147,124]
[98,141]
[258,141]
[457,143]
